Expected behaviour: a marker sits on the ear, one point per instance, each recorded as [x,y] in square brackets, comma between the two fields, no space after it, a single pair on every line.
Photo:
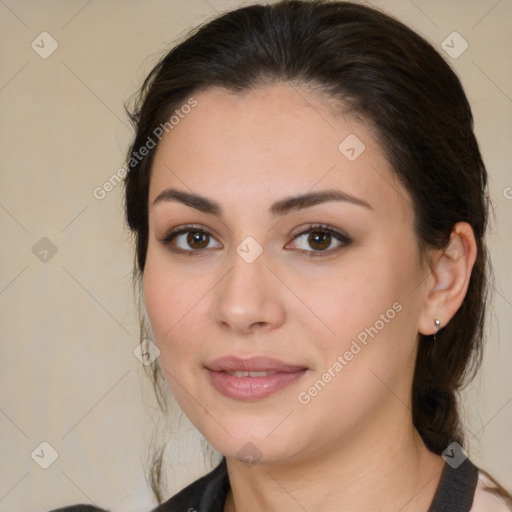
[449,280]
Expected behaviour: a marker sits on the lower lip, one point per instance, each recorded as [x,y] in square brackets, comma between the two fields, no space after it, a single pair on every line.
[252,388]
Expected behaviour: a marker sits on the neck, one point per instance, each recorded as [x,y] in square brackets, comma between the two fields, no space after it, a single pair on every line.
[388,471]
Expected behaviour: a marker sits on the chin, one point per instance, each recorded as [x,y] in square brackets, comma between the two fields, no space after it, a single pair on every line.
[253,442]
[258,451]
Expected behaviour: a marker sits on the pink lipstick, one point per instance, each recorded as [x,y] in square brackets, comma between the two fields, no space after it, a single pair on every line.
[252,378]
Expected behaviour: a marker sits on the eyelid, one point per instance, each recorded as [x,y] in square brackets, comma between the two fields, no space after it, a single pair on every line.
[302,230]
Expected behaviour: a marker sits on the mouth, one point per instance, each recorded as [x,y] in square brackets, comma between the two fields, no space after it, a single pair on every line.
[250,374]
[254,378]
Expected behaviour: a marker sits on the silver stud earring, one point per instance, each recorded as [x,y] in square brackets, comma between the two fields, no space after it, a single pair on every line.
[437,323]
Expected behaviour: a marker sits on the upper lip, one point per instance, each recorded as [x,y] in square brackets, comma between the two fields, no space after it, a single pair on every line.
[252,364]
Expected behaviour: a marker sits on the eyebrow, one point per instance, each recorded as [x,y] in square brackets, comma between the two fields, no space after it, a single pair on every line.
[279,208]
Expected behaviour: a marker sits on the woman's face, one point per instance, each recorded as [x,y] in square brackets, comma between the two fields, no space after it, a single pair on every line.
[294,258]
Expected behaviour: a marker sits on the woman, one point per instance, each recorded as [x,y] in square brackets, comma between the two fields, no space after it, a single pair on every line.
[309,204]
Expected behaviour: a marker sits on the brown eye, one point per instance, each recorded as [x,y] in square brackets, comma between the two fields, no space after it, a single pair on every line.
[319,240]
[197,240]
[190,240]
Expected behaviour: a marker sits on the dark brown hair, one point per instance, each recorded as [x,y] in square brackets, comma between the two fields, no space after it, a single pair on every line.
[382,71]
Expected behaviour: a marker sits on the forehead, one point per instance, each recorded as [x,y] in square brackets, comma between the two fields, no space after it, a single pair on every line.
[268,142]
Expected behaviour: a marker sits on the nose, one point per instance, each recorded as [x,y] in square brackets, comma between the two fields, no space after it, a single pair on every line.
[249,298]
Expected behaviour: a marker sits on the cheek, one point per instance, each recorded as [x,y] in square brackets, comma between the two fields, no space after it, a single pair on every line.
[174,309]
[343,303]
[172,305]
[366,311]
[368,354]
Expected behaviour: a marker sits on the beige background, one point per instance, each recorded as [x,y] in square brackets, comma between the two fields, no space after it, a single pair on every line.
[68,373]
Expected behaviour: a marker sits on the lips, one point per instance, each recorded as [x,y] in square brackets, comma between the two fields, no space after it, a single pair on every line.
[253,378]
[252,364]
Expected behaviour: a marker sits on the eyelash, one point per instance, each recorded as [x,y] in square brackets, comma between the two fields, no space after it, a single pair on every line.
[314,228]
[324,229]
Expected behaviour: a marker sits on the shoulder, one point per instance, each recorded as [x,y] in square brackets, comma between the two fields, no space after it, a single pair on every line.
[485,500]
[207,494]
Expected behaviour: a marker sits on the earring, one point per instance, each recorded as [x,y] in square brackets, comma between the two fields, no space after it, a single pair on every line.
[437,323]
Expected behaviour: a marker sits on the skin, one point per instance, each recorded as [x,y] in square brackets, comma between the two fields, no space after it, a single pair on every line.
[353,446]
